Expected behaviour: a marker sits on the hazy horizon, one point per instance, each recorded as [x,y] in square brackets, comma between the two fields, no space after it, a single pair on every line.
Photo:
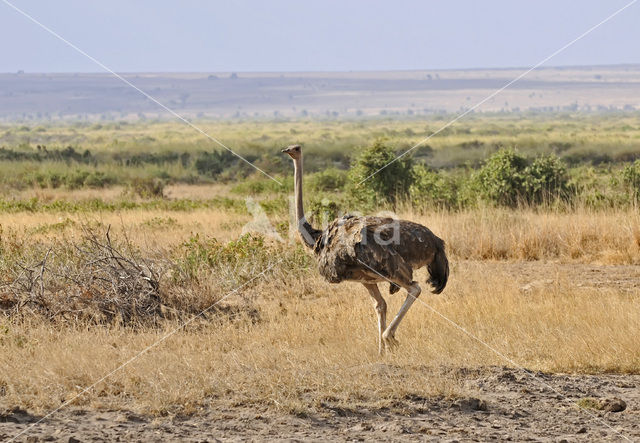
[329,71]
[317,94]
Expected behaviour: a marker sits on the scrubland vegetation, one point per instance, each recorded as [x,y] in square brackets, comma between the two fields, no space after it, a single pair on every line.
[507,194]
[576,160]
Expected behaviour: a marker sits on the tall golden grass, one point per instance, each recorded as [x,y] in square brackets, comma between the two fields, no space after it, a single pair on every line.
[312,343]
[606,237]
[584,236]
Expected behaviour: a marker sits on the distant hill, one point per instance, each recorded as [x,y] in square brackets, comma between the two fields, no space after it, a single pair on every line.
[25,96]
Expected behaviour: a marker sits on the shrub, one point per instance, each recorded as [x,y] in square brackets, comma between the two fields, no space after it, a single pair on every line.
[213,163]
[97,179]
[500,180]
[67,154]
[631,178]
[379,175]
[37,179]
[153,158]
[55,180]
[545,179]
[507,179]
[147,187]
[237,261]
[431,188]
[329,180]
[209,253]
[76,179]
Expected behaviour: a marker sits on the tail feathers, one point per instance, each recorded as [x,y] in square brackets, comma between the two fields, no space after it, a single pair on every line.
[439,271]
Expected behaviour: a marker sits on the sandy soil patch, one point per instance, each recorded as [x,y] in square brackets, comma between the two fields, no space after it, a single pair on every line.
[511,405]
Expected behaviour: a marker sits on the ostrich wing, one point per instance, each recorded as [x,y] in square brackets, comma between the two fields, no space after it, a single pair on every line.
[362,249]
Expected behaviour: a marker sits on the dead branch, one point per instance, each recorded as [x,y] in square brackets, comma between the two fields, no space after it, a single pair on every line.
[92,279]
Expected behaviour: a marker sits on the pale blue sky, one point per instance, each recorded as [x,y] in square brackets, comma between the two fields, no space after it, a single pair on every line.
[328,35]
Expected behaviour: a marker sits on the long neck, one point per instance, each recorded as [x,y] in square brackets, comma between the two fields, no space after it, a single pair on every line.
[308,234]
[297,174]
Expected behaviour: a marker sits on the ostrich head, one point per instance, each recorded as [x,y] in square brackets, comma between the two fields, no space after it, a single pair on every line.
[294,151]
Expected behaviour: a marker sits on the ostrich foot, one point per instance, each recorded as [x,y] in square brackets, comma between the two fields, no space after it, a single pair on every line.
[390,342]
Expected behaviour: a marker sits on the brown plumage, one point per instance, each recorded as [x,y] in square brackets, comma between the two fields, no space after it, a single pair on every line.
[349,242]
[373,250]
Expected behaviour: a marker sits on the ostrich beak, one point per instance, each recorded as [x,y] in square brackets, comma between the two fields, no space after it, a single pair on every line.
[291,150]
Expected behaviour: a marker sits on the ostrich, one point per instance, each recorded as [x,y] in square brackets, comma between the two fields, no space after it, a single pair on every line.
[373,250]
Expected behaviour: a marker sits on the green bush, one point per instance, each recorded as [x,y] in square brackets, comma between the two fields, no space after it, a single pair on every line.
[329,180]
[378,175]
[76,179]
[55,180]
[631,179]
[68,154]
[98,179]
[213,163]
[147,187]
[237,261]
[198,253]
[432,188]
[500,180]
[38,179]
[545,180]
[508,179]
[596,187]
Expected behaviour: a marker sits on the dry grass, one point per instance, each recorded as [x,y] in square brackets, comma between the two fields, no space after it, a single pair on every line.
[176,191]
[314,344]
[584,236]
[146,228]
[607,237]
[296,343]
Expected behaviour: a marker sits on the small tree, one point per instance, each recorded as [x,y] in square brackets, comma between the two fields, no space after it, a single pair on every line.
[379,175]
[631,178]
[507,178]
[433,188]
[544,179]
[500,180]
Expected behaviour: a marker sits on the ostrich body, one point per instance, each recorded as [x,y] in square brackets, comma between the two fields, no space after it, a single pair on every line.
[373,250]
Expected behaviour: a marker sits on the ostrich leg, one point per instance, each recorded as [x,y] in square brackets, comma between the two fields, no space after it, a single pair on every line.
[381,309]
[413,293]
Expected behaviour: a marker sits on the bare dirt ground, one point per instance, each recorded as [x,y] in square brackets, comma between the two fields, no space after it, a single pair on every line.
[536,275]
[510,405]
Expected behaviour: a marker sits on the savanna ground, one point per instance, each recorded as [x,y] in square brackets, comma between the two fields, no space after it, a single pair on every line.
[535,336]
